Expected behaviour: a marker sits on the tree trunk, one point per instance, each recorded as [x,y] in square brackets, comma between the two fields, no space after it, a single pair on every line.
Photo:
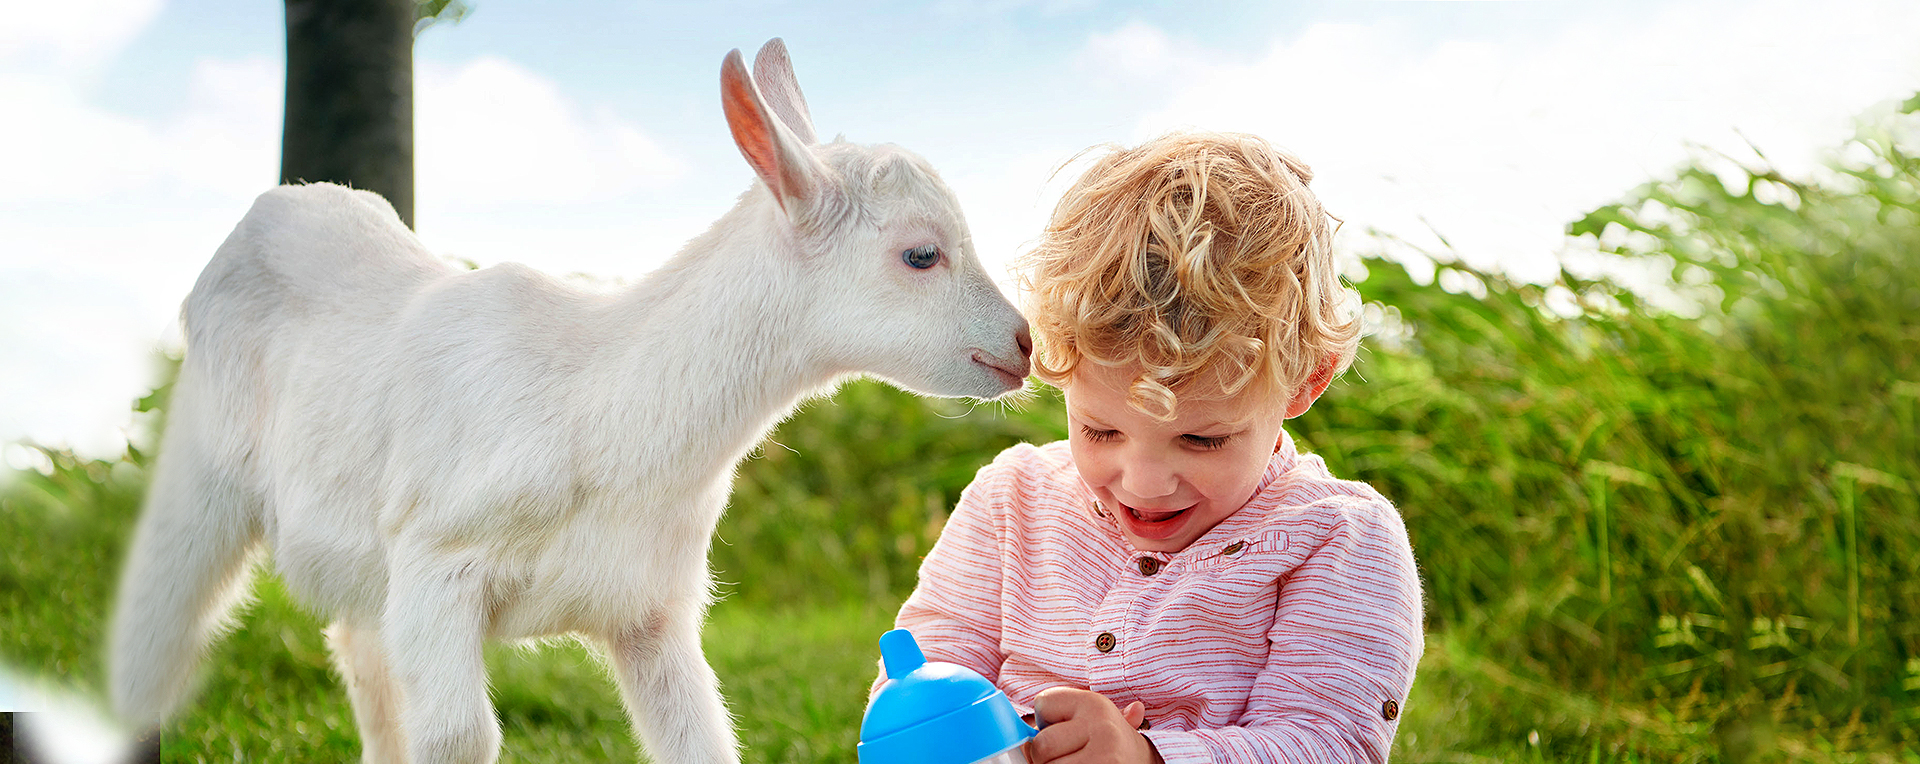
[349,116]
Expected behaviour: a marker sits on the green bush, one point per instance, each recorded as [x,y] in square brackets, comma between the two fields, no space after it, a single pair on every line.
[1714,514]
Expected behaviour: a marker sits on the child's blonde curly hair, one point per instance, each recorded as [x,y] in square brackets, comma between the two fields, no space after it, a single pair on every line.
[1201,259]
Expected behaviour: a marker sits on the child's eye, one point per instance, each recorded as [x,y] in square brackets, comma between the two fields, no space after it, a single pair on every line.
[1206,443]
[1098,436]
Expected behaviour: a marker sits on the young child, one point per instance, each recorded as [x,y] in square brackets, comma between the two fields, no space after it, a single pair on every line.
[1174,582]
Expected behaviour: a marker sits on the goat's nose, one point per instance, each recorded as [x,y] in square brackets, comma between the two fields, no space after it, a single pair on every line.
[1025,339]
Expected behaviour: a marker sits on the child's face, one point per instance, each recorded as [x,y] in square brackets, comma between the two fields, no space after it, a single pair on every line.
[1168,483]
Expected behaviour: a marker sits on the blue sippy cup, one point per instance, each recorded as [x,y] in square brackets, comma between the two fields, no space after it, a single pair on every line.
[937,713]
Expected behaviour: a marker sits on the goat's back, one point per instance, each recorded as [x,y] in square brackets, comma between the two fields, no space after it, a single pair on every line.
[310,259]
[306,250]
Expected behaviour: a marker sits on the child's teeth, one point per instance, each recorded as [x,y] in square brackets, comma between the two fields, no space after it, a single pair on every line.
[1151,517]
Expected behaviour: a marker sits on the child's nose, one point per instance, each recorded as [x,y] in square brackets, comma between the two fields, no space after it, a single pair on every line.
[1148,480]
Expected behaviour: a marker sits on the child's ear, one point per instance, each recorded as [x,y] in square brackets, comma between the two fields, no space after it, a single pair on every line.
[1310,392]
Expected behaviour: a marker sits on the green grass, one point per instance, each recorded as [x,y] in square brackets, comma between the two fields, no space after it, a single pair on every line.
[796,678]
[1676,533]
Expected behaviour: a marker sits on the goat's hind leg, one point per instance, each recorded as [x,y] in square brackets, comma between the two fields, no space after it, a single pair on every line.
[186,569]
[362,662]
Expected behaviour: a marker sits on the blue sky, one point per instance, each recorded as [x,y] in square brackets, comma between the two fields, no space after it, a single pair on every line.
[587,137]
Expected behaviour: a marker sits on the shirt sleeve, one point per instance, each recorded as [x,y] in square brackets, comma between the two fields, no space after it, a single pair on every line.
[1342,651]
[954,611]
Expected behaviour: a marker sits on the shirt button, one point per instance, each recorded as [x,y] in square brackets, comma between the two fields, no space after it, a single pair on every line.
[1149,566]
[1390,710]
[1234,548]
[1104,642]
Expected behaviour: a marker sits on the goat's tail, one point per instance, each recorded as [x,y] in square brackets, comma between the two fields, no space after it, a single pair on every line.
[188,565]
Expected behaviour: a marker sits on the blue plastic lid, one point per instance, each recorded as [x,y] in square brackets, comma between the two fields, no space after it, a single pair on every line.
[934,713]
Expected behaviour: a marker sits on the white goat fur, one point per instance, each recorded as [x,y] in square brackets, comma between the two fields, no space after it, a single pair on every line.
[438,456]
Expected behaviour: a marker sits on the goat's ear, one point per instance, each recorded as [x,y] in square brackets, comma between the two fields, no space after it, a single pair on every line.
[773,72]
[777,155]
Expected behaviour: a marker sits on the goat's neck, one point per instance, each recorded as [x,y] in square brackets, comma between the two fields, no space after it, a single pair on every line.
[713,349]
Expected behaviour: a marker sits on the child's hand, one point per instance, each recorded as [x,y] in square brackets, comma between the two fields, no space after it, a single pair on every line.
[1084,727]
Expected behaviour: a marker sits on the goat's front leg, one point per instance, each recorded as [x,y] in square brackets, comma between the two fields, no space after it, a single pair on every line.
[433,629]
[670,691]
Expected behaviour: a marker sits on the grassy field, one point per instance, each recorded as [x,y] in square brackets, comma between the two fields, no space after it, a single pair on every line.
[796,677]
[1674,520]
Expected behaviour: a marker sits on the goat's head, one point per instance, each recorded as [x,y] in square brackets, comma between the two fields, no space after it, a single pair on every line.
[895,287]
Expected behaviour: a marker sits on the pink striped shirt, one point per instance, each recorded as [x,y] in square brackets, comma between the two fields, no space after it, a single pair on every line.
[1287,633]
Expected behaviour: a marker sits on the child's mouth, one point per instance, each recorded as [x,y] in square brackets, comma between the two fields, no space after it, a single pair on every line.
[1154,515]
[1154,523]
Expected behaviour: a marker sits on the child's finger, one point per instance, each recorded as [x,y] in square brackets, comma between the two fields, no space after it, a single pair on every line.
[1135,713]
[1060,704]
[1056,741]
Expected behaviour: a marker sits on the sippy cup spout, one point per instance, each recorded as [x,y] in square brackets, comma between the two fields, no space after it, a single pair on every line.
[900,653]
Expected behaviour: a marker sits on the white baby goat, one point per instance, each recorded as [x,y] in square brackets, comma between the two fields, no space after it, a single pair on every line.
[437,456]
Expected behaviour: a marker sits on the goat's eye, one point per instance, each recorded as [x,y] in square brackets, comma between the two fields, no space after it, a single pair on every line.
[923,257]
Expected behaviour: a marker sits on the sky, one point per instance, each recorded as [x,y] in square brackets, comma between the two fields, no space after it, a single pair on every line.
[587,137]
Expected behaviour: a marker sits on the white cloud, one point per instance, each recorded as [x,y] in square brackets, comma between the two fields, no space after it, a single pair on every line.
[98,189]
[493,132]
[66,149]
[511,168]
[227,139]
[71,35]
[1497,144]
[1139,52]
[974,9]
[104,224]
[76,358]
